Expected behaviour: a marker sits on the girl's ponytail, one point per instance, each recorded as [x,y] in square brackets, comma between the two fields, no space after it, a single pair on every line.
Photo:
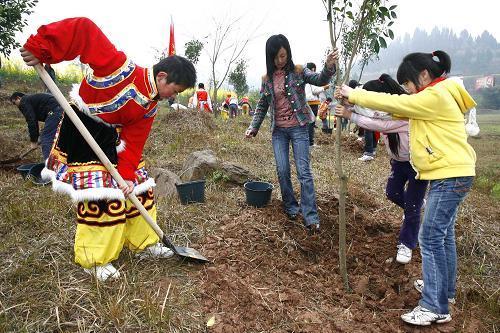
[444,62]
[389,85]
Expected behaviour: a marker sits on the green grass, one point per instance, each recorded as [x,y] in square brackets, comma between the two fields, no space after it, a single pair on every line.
[17,71]
[487,146]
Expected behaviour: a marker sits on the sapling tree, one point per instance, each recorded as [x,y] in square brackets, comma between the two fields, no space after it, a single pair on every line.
[13,19]
[356,30]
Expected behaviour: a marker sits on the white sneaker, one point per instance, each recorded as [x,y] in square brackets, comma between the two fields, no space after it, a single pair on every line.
[104,272]
[365,158]
[157,251]
[423,317]
[404,254]
[419,286]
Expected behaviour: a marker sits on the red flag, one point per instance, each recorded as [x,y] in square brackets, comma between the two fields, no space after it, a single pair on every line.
[171,45]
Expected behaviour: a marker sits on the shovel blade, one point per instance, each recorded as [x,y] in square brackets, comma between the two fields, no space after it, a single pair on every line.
[190,253]
[185,252]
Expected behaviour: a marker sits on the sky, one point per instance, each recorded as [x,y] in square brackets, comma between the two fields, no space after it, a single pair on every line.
[141,28]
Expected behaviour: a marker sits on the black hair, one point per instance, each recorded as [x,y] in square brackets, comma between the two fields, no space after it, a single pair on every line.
[201,85]
[386,84]
[179,69]
[311,65]
[273,45]
[329,99]
[353,84]
[16,95]
[414,63]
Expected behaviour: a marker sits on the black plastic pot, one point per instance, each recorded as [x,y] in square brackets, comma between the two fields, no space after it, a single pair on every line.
[258,194]
[191,192]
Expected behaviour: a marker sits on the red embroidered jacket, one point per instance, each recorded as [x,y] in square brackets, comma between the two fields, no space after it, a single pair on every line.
[118,91]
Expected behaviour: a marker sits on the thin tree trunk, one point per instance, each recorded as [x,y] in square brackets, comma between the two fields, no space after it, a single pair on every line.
[362,69]
[340,172]
[214,97]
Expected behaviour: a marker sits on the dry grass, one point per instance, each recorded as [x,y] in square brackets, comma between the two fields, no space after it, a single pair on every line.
[42,290]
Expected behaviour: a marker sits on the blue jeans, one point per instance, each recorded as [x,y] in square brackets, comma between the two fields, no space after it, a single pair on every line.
[314,109]
[49,131]
[298,136]
[437,241]
[410,199]
[370,142]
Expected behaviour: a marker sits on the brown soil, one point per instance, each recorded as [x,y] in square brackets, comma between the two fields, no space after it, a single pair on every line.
[269,275]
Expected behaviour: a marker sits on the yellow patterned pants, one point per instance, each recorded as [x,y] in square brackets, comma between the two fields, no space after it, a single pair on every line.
[105,226]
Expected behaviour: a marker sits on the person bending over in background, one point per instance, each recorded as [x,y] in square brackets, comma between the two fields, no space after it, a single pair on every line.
[35,108]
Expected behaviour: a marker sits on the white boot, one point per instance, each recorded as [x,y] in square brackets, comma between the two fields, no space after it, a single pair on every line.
[104,272]
[157,251]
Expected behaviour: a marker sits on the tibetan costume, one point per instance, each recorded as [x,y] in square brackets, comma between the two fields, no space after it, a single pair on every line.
[117,102]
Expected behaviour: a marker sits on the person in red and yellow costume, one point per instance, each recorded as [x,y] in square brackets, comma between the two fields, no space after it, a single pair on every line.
[201,99]
[117,102]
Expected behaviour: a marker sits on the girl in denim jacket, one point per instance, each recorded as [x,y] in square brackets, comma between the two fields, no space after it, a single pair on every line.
[283,95]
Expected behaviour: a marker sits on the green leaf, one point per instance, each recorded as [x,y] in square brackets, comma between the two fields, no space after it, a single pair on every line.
[374,45]
[382,42]
[383,9]
[393,14]
[390,23]
[391,33]
[393,7]
[372,36]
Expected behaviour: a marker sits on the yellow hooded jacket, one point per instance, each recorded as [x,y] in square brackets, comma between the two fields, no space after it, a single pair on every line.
[438,141]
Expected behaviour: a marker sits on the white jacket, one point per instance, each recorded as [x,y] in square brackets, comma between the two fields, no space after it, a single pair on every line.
[314,93]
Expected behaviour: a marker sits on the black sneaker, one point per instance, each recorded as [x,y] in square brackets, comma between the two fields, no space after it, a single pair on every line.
[313,228]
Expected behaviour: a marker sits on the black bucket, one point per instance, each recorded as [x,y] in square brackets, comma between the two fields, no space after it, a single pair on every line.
[24,169]
[191,191]
[258,193]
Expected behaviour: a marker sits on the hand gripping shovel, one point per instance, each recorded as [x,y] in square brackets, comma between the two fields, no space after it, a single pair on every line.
[181,251]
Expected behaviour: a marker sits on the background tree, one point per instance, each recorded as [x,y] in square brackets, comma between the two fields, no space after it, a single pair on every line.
[13,19]
[193,50]
[352,27]
[238,78]
[226,45]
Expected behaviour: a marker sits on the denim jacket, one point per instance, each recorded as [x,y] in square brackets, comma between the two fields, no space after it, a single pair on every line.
[294,87]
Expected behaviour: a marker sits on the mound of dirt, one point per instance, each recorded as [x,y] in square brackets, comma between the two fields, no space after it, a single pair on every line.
[269,275]
[189,119]
[348,141]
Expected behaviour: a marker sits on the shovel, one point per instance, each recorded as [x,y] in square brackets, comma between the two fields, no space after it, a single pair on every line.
[18,158]
[181,251]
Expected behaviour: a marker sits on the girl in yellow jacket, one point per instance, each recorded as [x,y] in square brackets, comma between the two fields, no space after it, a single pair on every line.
[439,152]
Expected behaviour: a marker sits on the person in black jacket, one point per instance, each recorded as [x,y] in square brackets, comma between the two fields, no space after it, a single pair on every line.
[35,108]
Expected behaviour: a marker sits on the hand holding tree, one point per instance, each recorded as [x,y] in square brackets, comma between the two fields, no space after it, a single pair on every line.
[342,111]
[332,58]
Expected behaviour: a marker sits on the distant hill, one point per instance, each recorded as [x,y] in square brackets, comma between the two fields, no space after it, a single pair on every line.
[470,56]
